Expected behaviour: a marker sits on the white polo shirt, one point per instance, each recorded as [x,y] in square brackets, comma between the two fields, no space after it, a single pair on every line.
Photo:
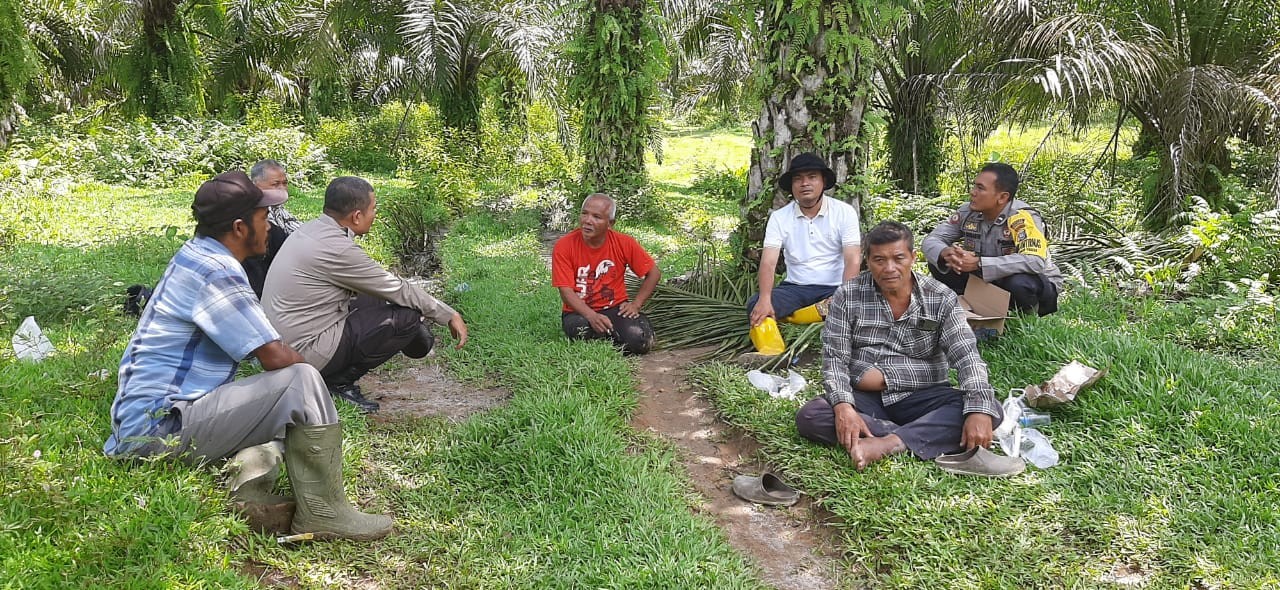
[813,248]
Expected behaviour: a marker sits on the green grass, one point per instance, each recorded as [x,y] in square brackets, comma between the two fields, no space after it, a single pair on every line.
[1169,467]
[554,490]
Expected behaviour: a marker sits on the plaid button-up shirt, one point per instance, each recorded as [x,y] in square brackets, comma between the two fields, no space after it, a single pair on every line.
[913,352]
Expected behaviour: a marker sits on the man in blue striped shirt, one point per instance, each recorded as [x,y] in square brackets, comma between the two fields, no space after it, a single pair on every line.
[177,395]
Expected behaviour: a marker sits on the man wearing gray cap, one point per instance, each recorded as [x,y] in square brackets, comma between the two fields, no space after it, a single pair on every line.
[177,396]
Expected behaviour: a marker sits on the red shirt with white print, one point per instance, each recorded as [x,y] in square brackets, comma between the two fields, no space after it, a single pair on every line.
[598,275]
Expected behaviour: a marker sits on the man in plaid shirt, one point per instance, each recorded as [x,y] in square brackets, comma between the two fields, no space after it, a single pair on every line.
[890,340]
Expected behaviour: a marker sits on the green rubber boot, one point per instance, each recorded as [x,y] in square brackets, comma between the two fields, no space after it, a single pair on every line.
[253,477]
[314,457]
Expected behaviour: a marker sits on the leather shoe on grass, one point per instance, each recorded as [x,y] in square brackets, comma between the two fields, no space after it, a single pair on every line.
[980,461]
[351,393]
[764,489]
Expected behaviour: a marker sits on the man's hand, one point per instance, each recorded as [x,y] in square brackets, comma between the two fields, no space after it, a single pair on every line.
[850,428]
[977,431]
[762,310]
[458,328]
[871,380]
[629,310]
[960,260]
[275,355]
[600,323]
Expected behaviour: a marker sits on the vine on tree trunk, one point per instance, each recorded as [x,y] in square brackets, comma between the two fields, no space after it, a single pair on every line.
[815,80]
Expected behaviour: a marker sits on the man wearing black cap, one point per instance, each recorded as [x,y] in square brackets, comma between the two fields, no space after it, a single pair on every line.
[819,237]
[177,395]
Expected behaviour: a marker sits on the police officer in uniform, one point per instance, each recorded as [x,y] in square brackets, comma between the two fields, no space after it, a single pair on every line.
[1001,240]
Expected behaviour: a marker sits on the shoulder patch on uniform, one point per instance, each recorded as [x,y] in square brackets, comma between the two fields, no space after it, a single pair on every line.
[955,218]
[1027,238]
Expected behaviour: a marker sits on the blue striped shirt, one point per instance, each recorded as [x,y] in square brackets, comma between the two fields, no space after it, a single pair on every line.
[202,320]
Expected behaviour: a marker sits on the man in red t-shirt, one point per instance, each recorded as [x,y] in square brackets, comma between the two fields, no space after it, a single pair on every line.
[589,265]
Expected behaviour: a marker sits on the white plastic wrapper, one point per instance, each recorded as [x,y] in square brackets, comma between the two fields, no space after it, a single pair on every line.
[1018,441]
[783,387]
[29,342]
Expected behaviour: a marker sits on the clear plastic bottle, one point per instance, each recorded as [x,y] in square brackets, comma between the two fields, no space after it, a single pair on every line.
[1029,418]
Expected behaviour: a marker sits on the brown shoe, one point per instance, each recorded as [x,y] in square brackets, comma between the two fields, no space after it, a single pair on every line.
[765,489]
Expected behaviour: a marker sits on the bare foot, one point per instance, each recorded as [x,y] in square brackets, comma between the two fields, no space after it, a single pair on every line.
[874,448]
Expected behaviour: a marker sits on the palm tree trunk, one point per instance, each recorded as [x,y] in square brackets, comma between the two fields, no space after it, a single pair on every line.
[15,54]
[616,82]
[815,103]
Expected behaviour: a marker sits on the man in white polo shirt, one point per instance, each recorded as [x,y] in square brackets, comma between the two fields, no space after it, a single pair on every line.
[818,236]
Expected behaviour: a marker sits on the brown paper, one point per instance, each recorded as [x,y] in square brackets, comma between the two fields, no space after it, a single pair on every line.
[1070,380]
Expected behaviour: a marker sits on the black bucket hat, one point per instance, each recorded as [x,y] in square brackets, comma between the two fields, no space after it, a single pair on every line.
[807,161]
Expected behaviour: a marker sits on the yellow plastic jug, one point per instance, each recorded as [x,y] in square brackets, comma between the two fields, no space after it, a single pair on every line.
[767,338]
[810,315]
[805,315]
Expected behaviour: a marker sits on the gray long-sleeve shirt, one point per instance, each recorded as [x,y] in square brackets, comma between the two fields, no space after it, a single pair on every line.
[1005,249]
[308,291]
[913,352]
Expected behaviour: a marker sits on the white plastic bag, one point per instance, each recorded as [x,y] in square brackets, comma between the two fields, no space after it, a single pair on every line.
[776,386]
[29,343]
[1035,448]
[1017,441]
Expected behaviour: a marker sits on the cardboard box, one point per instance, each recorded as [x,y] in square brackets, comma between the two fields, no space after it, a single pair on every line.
[985,305]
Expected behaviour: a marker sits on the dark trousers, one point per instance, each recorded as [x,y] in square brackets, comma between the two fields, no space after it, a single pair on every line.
[255,267]
[634,335]
[929,421]
[375,331]
[788,297]
[1027,292]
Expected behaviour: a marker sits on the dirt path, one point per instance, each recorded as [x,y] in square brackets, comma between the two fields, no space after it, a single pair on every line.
[789,545]
[424,389]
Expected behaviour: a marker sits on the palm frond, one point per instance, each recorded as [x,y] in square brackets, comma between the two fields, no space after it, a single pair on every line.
[707,308]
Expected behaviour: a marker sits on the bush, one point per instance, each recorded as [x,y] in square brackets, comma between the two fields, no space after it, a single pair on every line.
[141,152]
[413,219]
[392,137]
[918,212]
[716,182]
[498,165]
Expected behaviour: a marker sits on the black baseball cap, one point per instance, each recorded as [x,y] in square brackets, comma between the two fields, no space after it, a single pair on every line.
[229,196]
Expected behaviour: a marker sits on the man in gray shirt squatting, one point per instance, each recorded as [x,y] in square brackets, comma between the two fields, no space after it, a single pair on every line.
[309,297]
[890,338]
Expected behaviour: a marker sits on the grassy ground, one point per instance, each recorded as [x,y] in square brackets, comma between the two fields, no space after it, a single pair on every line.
[554,490]
[1169,467]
